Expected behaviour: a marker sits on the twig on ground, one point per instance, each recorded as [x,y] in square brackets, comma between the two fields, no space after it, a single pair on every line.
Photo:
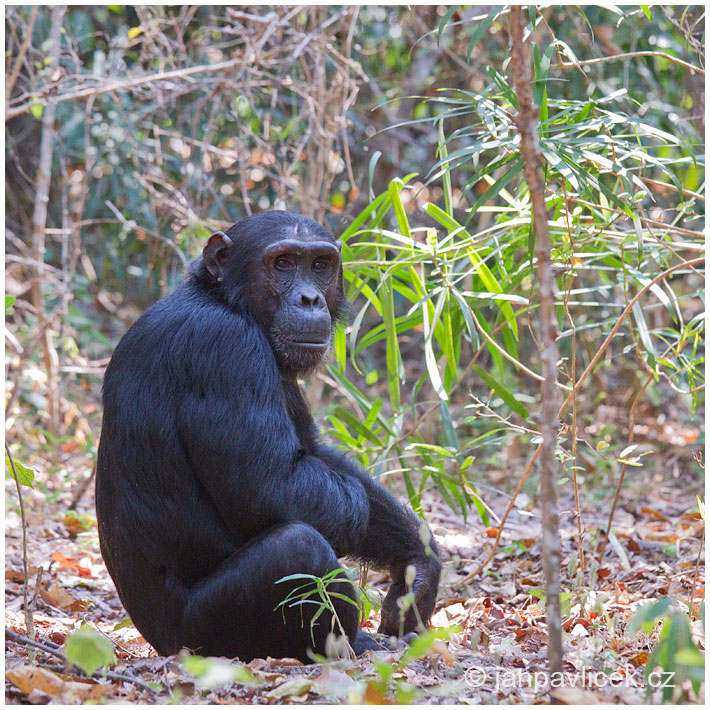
[111,675]
[19,638]
[501,525]
[630,441]
[29,619]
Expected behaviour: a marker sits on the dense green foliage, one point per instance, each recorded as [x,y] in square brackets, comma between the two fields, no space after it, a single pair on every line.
[310,109]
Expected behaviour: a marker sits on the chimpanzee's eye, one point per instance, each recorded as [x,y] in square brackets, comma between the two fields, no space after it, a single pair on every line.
[282,263]
[320,265]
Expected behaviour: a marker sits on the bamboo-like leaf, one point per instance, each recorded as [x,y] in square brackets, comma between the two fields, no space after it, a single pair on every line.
[374,412]
[355,225]
[485,296]
[498,185]
[445,21]
[417,446]
[501,82]
[371,172]
[487,277]
[542,70]
[494,352]
[429,358]
[483,28]
[506,395]
[411,490]
[452,438]
[446,176]
[393,428]
[468,320]
[393,356]
[443,332]
[643,333]
[555,161]
[355,328]
[378,332]
[394,189]
[342,433]
[345,416]
[340,347]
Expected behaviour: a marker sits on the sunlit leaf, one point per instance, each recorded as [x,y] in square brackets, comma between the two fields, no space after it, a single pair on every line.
[25,474]
[89,649]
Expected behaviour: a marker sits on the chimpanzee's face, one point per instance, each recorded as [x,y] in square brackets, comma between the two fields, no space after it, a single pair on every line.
[294,291]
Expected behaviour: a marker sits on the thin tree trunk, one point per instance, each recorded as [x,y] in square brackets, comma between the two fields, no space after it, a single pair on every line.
[39,222]
[527,121]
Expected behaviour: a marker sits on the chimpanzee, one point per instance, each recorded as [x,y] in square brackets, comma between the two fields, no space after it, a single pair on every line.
[212,483]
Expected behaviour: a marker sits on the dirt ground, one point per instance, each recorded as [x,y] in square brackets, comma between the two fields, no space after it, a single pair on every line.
[496,654]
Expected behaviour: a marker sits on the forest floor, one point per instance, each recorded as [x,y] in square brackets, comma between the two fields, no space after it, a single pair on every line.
[497,655]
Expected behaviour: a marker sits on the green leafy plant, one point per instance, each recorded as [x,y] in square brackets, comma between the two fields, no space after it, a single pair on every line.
[25,474]
[89,649]
[454,278]
[317,591]
[675,651]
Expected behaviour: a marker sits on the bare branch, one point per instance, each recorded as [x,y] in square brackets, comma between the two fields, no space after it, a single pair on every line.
[39,221]
[527,121]
[12,77]
[629,55]
[123,84]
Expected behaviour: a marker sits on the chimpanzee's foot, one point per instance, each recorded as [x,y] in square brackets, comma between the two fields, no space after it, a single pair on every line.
[378,642]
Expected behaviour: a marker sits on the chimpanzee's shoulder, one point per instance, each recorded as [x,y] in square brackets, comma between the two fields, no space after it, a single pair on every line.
[189,312]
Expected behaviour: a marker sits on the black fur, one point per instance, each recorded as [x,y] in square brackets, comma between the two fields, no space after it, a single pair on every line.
[211,481]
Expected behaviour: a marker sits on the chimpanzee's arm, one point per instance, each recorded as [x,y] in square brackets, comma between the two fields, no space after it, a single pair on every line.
[394,539]
[242,445]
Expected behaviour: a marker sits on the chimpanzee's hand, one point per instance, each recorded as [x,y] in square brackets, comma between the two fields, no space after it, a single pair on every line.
[399,615]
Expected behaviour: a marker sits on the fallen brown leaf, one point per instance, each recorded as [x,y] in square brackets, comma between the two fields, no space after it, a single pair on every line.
[71,564]
[654,513]
[294,687]
[56,596]
[28,678]
[373,696]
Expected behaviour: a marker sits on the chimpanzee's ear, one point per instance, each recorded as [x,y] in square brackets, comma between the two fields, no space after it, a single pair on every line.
[339,244]
[215,252]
